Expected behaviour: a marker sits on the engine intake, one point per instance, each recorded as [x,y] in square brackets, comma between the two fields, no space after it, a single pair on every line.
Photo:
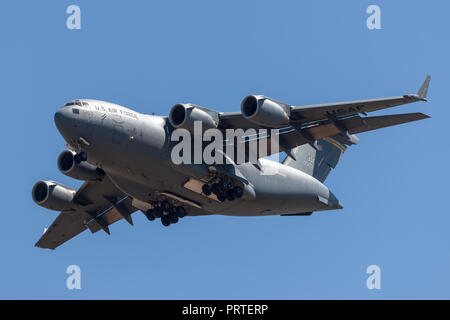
[80,171]
[184,115]
[53,195]
[265,111]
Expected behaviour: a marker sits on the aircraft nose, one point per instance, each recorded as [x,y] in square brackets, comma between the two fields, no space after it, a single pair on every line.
[60,118]
[63,118]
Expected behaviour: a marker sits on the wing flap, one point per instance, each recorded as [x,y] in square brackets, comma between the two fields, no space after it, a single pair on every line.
[358,124]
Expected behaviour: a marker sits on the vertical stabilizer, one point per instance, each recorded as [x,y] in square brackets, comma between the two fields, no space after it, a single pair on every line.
[319,161]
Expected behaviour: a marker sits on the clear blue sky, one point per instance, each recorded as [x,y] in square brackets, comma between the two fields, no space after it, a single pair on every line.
[150,55]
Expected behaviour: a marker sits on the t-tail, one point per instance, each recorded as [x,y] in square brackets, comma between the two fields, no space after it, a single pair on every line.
[319,160]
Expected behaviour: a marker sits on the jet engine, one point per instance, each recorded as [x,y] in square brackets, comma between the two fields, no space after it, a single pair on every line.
[184,115]
[78,170]
[265,111]
[53,195]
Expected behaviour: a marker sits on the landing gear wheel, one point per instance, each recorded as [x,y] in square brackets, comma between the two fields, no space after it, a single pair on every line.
[180,212]
[238,192]
[157,212]
[206,189]
[173,218]
[221,197]
[230,195]
[215,189]
[165,220]
[149,215]
[222,186]
[165,205]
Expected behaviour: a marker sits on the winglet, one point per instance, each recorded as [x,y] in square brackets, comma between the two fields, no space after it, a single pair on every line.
[422,93]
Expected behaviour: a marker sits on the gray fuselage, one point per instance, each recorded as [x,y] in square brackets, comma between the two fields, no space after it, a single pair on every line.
[134,150]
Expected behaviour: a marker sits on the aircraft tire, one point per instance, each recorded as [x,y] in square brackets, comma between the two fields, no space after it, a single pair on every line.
[173,218]
[157,212]
[165,220]
[222,186]
[221,197]
[149,215]
[180,212]
[230,195]
[165,205]
[215,189]
[206,189]
[238,192]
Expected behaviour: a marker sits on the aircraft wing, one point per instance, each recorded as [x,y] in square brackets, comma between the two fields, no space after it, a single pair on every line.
[315,122]
[352,125]
[337,110]
[100,204]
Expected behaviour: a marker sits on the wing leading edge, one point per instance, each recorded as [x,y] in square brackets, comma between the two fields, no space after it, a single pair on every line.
[340,109]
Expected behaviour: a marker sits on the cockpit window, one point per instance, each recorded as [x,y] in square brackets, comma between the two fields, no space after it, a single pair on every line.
[76,102]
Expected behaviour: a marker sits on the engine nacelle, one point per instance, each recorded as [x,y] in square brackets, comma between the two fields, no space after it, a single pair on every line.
[53,195]
[81,171]
[184,115]
[265,111]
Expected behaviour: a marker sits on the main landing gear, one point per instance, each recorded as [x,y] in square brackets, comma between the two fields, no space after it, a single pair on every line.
[168,213]
[223,190]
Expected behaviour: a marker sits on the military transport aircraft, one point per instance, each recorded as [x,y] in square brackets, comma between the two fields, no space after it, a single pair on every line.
[125,159]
